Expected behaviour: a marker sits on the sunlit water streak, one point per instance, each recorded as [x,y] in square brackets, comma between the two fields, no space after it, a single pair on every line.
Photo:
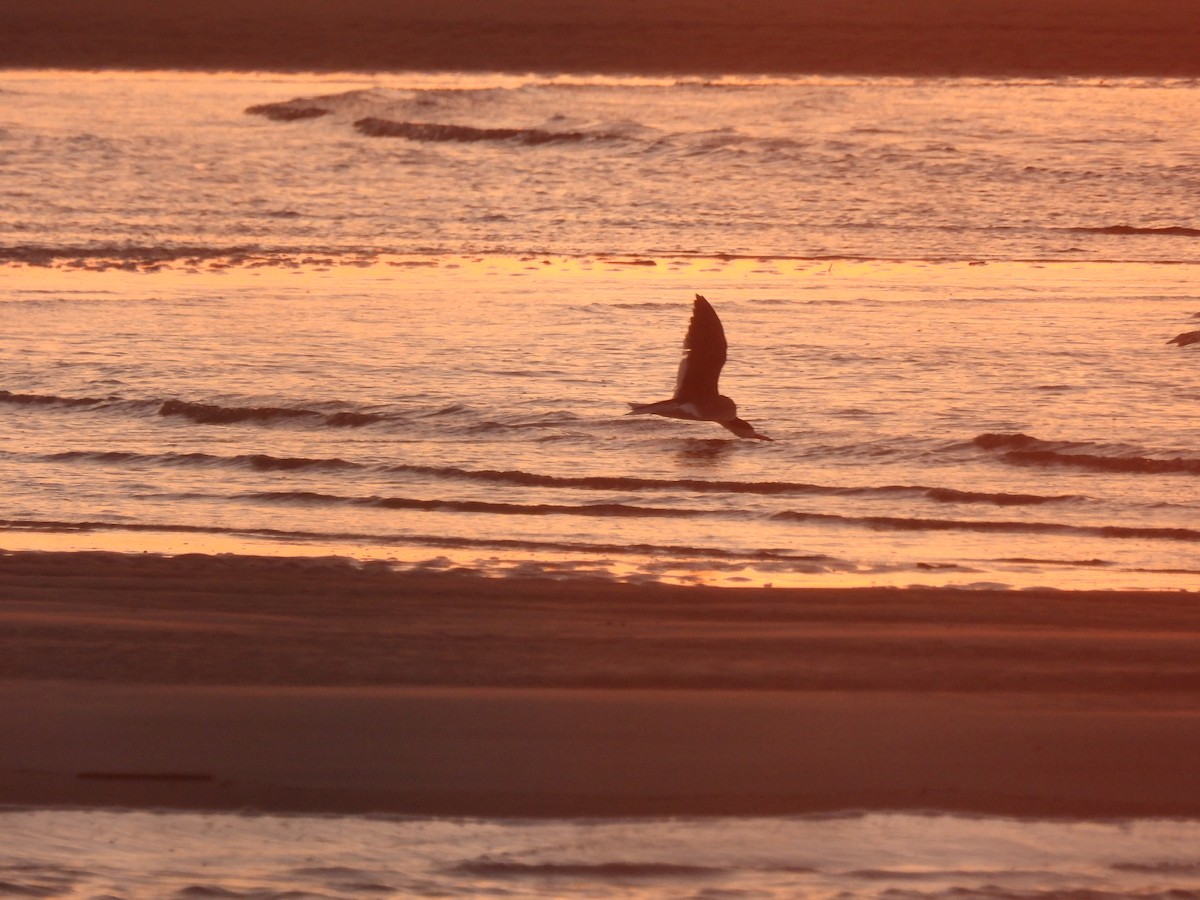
[288,331]
[948,300]
[939,431]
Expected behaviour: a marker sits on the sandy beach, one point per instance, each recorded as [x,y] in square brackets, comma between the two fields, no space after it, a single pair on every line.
[880,37]
[224,682]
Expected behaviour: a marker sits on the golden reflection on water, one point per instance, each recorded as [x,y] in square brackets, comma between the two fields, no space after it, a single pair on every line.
[833,279]
[502,564]
[452,282]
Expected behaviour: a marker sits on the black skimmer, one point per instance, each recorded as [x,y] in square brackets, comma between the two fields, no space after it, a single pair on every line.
[696,395]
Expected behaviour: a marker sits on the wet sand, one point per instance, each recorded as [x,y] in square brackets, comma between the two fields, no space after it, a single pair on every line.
[317,685]
[881,37]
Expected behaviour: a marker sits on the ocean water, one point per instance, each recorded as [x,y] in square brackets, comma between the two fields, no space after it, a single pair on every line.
[400,317]
[139,855]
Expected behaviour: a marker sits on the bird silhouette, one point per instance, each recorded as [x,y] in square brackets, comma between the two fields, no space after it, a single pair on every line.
[696,395]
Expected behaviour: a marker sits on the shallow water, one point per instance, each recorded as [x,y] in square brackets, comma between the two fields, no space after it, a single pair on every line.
[58,853]
[808,166]
[352,412]
[947,300]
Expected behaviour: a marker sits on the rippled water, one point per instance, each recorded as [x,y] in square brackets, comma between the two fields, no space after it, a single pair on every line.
[922,434]
[236,316]
[401,317]
[144,855]
[898,168]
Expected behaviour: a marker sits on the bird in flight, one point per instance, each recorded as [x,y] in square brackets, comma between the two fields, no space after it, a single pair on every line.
[696,396]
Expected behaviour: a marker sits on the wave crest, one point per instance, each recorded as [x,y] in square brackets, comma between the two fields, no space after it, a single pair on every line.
[49,400]
[620,510]
[372,126]
[493,868]
[1174,230]
[287,111]
[212,414]
[1025,450]
[901,523]
[614,483]
[261,462]
[815,562]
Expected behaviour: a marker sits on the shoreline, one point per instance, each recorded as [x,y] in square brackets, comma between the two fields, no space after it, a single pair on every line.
[288,685]
[900,37]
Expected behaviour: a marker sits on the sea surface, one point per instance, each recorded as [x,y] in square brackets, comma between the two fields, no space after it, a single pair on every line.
[401,317]
[148,855]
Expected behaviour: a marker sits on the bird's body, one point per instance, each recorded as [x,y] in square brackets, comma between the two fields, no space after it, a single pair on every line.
[696,396]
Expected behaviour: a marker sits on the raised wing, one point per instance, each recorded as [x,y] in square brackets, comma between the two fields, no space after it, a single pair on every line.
[704,351]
